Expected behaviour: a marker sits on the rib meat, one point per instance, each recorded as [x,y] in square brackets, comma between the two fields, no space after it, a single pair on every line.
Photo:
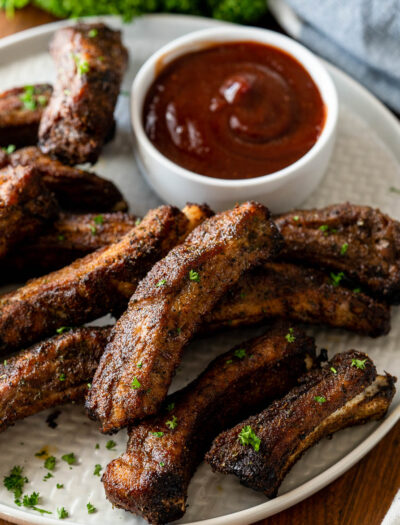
[50,373]
[25,206]
[296,293]
[92,286]
[75,189]
[346,392]
[21,109]
[90,61]
[359,241]
[152,477]
[70,237]
[167,308]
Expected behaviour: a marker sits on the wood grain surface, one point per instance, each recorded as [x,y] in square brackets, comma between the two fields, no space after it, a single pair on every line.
[363,494]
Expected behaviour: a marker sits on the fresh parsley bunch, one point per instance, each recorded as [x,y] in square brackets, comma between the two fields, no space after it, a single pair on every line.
[245,11]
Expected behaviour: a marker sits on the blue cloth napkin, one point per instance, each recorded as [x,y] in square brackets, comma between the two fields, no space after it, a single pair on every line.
[362,37]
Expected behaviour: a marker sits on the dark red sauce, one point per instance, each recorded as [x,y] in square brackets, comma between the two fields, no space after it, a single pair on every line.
[234,111]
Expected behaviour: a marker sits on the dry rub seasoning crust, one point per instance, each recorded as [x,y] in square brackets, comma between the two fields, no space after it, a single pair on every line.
[167,308]
[49,373]
[90,61]
[152,477]
[92,286]
[346,392]
[359,241]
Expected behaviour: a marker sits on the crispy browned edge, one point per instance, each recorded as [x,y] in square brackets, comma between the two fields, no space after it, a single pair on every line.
[152,477]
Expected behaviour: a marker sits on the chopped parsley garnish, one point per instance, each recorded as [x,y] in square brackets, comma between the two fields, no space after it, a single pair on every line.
[93,230]
[110,445]
[336,278]
[359,363]
[296,218]
[89,385]
[344,248]
[247,436]
[69,458]
[60,485]
[97,446]
[240,353]
[82,65]
[172,423]
[28,98]
[48,476]
[62,377]
[99,219]
[394,190]
[135,383]
[42,99]
[161,282]
[93,33]
[170,406]
[5,362]
[41,453]
[31,501]
[139,365]
[62,513]
[242,295]
[320,399]
[162,464]
[333,370]
[357,290]
[63,329]
[90,508]
[194,276]
[61,237]
[178,330]
[157,434]
[324,228]
[15,481]
[50,463]
[290,338]
[138,221]
[67,92]
[229,361]
[10,148]
[97,469]
[124,93]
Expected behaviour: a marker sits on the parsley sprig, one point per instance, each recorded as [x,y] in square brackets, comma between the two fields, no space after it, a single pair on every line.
[247,436]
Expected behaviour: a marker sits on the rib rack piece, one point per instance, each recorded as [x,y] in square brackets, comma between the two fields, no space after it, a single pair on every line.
[152,477]
[261,450]
[296,293]
[25,206]
[167,308]
[92,286]
[359,242]
[75,189]
[90,61]
[49,373]
[21,109]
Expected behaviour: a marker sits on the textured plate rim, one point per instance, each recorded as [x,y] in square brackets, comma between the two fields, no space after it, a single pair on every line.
[389,133]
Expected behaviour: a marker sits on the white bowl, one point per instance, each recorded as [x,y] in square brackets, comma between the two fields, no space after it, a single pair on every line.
[280,191]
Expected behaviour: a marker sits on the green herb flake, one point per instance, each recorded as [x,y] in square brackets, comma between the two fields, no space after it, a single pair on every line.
[69,458]
[194,276]
[5,362]
[290,338]
[135,383]
[170,406]
[91,508]
[324,228]
[97,469]
[42,99]
[67,92]
[48,476]
[28,98]
[320,399]
[229,361]
[124,93]
[97,446]
[139,365]
[157,434]
[359,363]
[62,377]
[50,463]
[61,237]
[93,230]
[357,290]
[63,329]
[15,481]
[296,218]
[344,248]
[41,453]
[161,282]
[93,33]
[110,445]
[247,436]
[82,65]
[240,353]
[138,221]
[162,464]
[31,501]
[172,423]
[99,219]
[60,485]
[392,189]
[89,385]
[62,513]
[333,370]
[336,278]
[10,149]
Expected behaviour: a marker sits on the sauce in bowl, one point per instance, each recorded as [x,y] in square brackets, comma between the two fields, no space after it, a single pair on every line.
[234,111]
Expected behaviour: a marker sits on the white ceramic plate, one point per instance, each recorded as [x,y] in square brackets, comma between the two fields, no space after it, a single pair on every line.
[365,165]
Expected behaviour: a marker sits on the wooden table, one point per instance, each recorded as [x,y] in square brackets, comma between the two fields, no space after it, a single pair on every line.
[362,495]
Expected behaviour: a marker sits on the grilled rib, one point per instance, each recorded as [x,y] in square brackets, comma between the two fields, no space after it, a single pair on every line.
[90,61]
[92,286]
[152,477]
[50,373]
[296,293]
[25,206]
[70,237]
[21,109]
[359,241]
[75,189]
[346,392]
[168,306]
